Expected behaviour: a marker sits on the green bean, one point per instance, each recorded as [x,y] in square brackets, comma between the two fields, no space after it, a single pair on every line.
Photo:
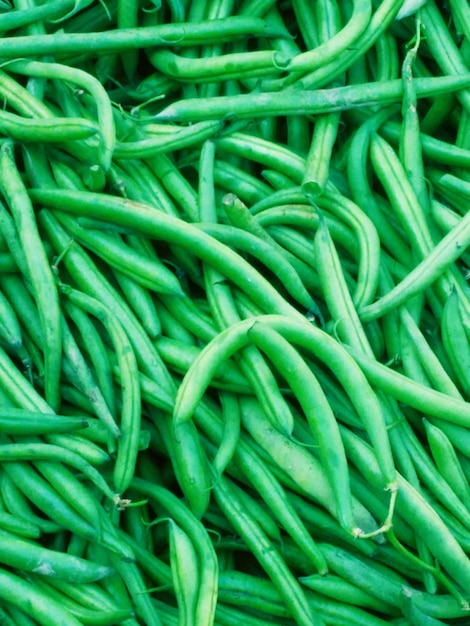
[404,201]
[129,426]
[297,463]
[77,371]
[31,451]
[305,102]
[10,331]
[309,338]
[189,461]
[28,556]
[433,479]
[41,606]
[232,178]
[101,617]
[431,364]
[153,275]
[40,493]
[135,585]
[306,22]
[183,138]
[45,129]
[142,303]
[93,343]
[19,527]
[266,519]
[85,81]
[265,553]
[21,99]
[163,226]
[239,65]
[127,17]
[455,340]
[175,184]
[14,616]
[255,592]
[336,587]
[323,139]
[252,363]
[328,50]
[264,152]
[381,19]
[305,217]
[85,448]
[114,40]
[442,46]
[208,570]
[447,461]
[232,421]
[86,276]
[336,292]
[443,544]
[418,396]
[39,270]
[446,252]
[184,568]
[268,254]
[367,240]
[363,574]
[317,411]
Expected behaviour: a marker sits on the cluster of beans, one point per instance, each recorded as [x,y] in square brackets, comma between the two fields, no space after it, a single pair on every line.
[234,316]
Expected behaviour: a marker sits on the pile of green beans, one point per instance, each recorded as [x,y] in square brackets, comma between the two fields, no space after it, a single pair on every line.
[234,313]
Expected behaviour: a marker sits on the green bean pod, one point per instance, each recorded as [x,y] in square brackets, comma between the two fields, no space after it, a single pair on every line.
[185,575]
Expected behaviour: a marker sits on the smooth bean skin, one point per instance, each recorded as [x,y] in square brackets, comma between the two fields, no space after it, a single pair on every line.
[267,556]
[118,40]
[41,607]
[28,556]
[304,102]
[39,271]
[160,226]
[323,346]
[45,130]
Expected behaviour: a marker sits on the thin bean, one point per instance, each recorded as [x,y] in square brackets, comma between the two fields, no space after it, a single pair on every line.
[447,461]
[45,130]
[79,374]
[41,606]
[93,343]
[305,102]
[39,270]
[232,422]
[128,442]
[317,411]
[266,554]
[153,275]
[430,269]
[119,40]
[184,568]
[208,570]
[164,227]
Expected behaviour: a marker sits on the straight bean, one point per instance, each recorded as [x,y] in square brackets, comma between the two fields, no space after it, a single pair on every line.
[118,40]
[305,102]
